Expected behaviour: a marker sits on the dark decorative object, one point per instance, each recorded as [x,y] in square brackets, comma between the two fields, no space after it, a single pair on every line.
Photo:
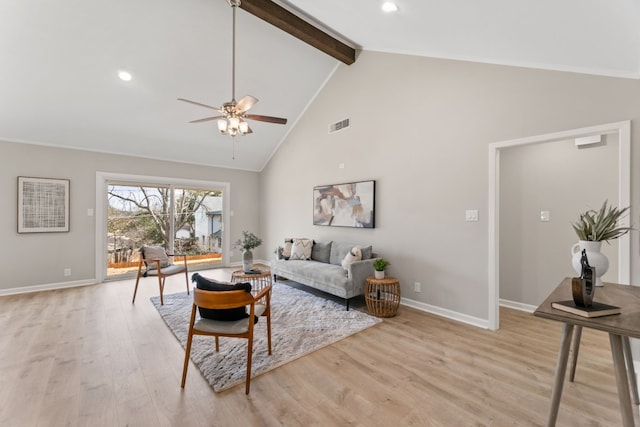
[583,287]
[345,205]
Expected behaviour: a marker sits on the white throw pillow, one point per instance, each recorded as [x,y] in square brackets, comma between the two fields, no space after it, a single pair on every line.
[355,254]
[286,251]
[301,249]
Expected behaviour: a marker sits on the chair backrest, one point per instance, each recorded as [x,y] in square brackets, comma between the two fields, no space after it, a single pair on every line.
[221,299]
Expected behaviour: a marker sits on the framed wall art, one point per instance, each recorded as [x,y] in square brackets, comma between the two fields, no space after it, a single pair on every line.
[345,205]
[43,205]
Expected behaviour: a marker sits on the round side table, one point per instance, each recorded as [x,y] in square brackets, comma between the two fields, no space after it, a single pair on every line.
[382,296]
[258,281]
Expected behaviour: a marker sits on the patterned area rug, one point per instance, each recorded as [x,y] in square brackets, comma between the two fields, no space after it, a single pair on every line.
[301,323]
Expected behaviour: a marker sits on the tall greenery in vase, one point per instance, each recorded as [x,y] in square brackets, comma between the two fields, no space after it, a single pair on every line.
[248,242]
[601,225]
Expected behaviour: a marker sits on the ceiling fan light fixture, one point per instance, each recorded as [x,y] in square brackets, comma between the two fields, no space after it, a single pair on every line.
[244,127]
[234,122]
[222,126]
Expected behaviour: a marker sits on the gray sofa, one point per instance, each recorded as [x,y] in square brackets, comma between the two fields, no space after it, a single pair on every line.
[324,270]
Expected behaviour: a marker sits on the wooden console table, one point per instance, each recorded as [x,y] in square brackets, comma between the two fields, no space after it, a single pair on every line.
[619,327]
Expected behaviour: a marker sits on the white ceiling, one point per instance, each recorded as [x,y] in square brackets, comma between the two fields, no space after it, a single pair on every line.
[59,60]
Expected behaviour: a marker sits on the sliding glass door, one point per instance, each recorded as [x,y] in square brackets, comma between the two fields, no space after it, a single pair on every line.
[182,219]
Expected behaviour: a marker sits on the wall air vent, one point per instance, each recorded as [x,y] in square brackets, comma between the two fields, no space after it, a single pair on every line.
[338,126]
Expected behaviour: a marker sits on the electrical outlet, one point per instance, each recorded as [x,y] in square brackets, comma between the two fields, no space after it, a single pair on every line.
[67,272]
[416,286]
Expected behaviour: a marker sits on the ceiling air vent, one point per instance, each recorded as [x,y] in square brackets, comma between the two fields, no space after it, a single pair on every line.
[338,126]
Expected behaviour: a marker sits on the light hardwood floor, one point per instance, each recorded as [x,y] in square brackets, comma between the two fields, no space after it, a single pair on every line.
[88,357]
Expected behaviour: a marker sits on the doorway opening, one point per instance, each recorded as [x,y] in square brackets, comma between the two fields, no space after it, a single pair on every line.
[619,130]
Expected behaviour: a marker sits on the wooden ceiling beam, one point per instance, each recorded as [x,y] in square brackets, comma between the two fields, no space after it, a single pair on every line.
[281,18]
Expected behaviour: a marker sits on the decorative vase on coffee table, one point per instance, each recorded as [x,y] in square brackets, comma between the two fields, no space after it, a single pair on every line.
[247,260]
[596,258]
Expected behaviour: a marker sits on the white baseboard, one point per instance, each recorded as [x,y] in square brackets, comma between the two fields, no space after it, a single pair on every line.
[449,314]
[47,287]
[517,306]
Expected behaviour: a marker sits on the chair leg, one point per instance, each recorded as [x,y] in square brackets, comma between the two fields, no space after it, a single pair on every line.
[187,353]
[249,354]
[269,332]
[161,286]
[186,278]
[135,290]
[217,344]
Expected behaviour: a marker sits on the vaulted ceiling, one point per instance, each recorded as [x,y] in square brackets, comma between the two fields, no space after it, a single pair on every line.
[59,63]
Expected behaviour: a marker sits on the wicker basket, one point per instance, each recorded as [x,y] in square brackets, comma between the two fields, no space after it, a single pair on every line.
[382,296]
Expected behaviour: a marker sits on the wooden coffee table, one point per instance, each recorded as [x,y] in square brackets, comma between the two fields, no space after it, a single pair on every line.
[258,281]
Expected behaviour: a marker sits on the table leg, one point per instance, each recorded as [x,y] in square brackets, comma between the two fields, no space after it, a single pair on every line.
[621,379]
[575,345]
[561,370]
[631,370]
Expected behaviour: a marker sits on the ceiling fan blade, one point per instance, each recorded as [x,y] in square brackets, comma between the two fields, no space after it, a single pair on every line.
[207,119]
[198,103]
[245,103]
[267,119]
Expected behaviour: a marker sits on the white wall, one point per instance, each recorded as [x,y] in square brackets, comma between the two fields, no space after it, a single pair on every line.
[421,128]
[38,259]
[565,180]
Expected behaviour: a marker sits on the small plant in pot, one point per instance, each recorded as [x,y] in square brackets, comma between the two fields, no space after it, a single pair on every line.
[379,265]
[593,228]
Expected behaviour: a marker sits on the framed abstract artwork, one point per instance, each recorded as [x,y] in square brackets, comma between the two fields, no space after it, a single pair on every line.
[43,205]
[345,205]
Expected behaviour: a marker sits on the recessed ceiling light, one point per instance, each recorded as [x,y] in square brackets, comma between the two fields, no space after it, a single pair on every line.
[389,7]
[125,76]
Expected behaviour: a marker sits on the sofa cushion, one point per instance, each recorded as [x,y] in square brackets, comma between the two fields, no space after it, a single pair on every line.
[301,249]
[321,252]
[229,314]
[153,253]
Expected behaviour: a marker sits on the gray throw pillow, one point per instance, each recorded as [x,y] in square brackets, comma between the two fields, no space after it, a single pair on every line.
[367,252]
[339,251]
[321,252]
[152,253]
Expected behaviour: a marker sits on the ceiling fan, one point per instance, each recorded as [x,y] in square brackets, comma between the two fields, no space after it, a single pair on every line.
[234,114]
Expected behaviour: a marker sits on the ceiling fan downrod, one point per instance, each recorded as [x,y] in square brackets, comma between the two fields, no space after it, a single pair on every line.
[234,4]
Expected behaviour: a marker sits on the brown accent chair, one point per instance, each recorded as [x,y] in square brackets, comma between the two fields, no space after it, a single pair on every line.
[156,263]
[243,328]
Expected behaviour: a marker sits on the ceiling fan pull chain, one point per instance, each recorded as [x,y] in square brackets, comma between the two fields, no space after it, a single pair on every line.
[233,147]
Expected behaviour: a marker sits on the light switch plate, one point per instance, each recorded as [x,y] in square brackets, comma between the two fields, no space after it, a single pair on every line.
[471,215]
[545,216]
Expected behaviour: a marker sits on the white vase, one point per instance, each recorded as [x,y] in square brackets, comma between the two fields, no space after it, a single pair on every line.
[379,274]
[247,260]
[596,258]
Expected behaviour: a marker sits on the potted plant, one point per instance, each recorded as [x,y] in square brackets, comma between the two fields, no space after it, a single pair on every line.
[379,265]
[248,242]
[594,227]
